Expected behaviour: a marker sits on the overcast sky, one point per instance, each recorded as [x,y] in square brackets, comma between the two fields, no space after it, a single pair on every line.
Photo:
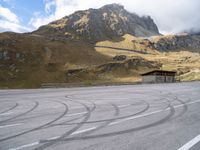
[171,16]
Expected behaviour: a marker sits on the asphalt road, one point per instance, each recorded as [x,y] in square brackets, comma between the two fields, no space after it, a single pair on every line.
[133,117]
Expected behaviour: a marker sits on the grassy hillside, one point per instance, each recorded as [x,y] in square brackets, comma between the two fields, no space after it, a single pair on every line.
[184,61]
[29,60]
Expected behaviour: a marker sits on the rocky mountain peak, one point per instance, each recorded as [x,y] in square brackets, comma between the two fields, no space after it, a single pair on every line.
[113,7]
[104,23]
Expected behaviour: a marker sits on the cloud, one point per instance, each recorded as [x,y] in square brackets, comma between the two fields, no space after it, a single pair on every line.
[39,20]
[10,26]
[6,14]
[9,21]
[62,8]
[171,16]
[49,4]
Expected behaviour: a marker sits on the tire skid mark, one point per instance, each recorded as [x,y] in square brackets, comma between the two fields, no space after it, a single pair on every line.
[86,117]
[118,118]
[116,113]
[63,124]
[36,116]
[22,114]
[64,139]
[73,119]
[40,127]
[5,111]
[185,107]
[171,113]
[66,122]
[90,130]
[184,103]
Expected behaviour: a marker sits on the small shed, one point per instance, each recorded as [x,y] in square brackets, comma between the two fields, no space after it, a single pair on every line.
[159,76]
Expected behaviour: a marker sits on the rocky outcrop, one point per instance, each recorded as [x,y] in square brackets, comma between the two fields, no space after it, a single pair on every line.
[100,24]
[120,57]
[128,65]
[179,42]
[168,43]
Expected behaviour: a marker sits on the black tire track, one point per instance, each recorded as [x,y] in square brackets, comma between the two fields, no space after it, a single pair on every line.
[184,110]
[118,118]
[117,112]
[171,113]
[123,117]
[185,107]
[86,117]
[107,122]
[13,107]
[36,116]
[40,127]
[22,114]
[65,122]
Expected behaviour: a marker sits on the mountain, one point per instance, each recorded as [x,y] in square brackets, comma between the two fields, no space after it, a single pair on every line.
[95,46]
[100,24]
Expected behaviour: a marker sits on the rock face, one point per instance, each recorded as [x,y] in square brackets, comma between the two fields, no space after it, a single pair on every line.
[120,57]
[168,43]
[129,64]
[177,42]
[101,24]
[123,67]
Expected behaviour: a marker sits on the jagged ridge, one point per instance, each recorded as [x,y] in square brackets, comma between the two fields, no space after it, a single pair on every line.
[99,24]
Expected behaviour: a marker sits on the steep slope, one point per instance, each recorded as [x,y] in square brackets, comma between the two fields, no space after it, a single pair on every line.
[100,24]
[28,60]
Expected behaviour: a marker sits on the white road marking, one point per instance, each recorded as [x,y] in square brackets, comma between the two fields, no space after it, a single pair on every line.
[151,113]
[10,125]
[54,138]
[4,114]
[191,143]
[85,130]
[76,114]
[25,146]
[77,132]
[189,103]
[122,106]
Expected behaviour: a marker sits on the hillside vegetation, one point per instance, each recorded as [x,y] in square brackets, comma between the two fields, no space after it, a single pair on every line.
[183,59]
[95,46]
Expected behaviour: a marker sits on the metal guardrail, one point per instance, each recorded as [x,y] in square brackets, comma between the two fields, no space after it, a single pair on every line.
[68,85]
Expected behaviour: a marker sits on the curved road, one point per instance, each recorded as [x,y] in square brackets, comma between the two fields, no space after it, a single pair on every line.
[133,117]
